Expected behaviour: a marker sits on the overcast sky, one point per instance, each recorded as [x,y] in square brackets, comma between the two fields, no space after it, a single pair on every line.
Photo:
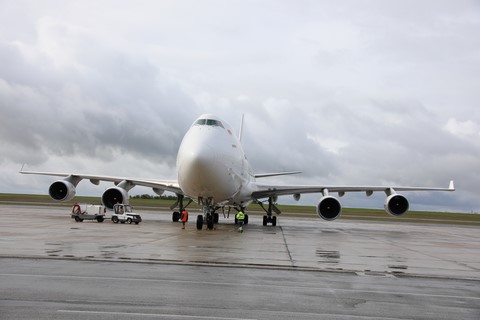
[349,92]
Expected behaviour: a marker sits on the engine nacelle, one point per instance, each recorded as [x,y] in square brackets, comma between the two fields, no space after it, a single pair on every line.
[396,205]
[329,208]
[62,190]
[114,195]
[158,191]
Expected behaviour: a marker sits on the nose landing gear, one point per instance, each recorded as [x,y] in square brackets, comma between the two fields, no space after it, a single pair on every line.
[210,217]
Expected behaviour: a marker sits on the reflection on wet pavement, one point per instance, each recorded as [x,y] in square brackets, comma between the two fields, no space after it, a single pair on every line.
[360,247]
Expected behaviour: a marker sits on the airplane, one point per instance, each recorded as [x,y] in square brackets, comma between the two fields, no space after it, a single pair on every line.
[213,170]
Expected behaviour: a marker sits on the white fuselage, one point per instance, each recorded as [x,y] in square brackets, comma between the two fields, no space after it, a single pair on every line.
[212,165]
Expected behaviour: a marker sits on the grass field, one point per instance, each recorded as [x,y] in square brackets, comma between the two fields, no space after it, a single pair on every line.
[254,209]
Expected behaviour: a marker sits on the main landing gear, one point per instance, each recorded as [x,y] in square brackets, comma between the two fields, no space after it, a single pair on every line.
[176,214]
[268,218]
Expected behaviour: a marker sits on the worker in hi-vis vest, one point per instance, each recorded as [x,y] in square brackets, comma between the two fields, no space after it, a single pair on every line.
[240,219]
[184,218]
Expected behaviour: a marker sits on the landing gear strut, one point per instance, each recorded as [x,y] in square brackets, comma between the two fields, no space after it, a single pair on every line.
[268,218]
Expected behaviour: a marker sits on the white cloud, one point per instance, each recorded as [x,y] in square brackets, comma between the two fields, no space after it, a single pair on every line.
[348,92]
[463,129]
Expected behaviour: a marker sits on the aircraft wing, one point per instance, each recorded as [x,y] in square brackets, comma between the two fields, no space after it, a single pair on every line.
[266,191]
[167,185]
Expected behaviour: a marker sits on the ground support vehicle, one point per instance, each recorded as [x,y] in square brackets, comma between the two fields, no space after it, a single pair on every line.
[83,211]
[124,213]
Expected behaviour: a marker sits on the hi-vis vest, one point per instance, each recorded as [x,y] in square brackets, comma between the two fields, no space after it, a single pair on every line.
[184,216]
[240,215]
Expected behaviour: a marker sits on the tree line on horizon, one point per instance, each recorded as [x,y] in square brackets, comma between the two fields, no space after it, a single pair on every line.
[152,197]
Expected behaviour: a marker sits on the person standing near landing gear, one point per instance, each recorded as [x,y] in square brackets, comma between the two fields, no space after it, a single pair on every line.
[184,218]
[240,218]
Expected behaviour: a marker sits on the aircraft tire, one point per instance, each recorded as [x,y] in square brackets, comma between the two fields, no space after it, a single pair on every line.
[215,218]
[209,222]
[265,221]
[175,216]
[274,221]
[199,222]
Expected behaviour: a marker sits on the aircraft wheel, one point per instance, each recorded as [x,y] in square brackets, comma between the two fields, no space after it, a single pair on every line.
[274,221]
[199,222]
[175,216]
[115,219]
[215,218]
[209,222]
[265,220]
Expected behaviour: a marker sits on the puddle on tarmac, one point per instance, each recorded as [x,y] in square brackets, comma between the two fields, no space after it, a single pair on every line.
[328,254]
[400,267]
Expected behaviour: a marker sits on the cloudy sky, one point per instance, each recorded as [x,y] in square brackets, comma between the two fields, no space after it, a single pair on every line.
[349,92]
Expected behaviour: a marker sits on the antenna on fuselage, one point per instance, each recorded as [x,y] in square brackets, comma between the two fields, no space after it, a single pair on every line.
[240,133]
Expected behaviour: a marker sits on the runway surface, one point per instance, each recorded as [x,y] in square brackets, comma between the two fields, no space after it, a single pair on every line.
[54,268]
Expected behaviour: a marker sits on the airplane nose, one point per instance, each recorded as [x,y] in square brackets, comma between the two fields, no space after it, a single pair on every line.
[199,158]
[196,168]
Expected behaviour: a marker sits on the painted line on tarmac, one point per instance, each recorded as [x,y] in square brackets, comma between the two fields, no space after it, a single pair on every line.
[174,316]
[156,315]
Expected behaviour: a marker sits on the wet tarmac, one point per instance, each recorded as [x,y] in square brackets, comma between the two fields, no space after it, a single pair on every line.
[362,247]
[303,268]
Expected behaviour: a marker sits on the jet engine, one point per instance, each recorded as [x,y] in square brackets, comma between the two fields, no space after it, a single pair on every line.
[113,196]
[396,205]
[329,208]
[62,190]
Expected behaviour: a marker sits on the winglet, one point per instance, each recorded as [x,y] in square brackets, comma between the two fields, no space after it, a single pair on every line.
[451,186]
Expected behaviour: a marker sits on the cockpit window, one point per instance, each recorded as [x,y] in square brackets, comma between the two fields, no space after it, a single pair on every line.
[216,123]
[209,122]
[200,122]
